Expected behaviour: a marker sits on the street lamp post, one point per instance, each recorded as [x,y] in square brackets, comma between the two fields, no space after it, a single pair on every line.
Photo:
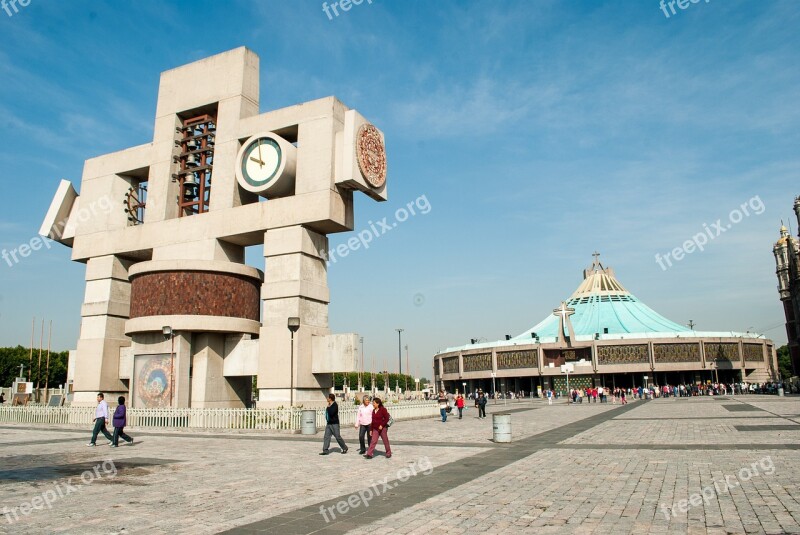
[567,368]
[399,351]
[293,325]
[408,370]
[361,368]
[166,330]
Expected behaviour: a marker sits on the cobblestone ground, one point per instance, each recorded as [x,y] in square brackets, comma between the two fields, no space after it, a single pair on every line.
[700,465]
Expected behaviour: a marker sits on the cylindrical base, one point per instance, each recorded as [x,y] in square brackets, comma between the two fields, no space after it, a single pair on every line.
[308,422]
[780,391]
[501,424]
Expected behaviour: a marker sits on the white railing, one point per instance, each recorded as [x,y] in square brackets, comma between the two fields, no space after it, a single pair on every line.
[272,419]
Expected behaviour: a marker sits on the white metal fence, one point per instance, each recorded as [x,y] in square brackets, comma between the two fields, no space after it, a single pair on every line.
[275,419]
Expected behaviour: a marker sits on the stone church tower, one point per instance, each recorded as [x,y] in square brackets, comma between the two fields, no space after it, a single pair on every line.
[786,252]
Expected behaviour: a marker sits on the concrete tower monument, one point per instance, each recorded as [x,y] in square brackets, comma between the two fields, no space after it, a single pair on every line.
[171,313]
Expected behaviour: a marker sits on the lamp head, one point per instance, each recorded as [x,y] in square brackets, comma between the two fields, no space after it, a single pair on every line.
[293,324]
[166,330]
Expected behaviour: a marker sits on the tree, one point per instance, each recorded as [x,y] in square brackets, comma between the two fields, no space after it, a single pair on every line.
[352,380]
[12,357]
[785,362]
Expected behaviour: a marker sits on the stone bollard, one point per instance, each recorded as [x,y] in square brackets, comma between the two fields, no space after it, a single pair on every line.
[501,424]
[308,422]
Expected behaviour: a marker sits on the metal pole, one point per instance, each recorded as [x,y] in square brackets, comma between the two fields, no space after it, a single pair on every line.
[399,351]
[172,368]
[39,366]
[30,358]
[361,368]
[47,372]
[291,372]
[408,370]
[569,396]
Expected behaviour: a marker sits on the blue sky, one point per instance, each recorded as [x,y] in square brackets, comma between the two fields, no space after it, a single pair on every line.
[539,132]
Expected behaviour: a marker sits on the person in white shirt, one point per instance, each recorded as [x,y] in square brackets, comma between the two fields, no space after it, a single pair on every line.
[363,423]
[100,420]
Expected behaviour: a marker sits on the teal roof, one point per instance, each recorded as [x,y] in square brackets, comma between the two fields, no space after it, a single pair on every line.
[600,303]
[620,314]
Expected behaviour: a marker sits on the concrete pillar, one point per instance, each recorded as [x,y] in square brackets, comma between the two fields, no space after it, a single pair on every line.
[106,306]
[295,285]
[209,386]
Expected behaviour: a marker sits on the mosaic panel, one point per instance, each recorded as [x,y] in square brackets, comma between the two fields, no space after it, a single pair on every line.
[517,359]
[676,353]
[718,352]
[575,381]
[477,363]
[753,352]
[450,364]
[631,354]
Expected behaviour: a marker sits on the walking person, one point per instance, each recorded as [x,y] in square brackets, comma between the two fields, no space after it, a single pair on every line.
[482,406]
[460,405]
[100,420]
[380,428]
[332,426]
[549,397]
[364,424]
[442,405]
[119,421]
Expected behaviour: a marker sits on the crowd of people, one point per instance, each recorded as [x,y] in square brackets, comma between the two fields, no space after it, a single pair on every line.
[602,394]
[620,395]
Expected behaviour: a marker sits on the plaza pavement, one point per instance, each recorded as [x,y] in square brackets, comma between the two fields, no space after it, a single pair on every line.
[587,468]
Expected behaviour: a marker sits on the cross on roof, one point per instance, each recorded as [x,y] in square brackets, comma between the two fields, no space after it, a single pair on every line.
[563,311]
[596,261]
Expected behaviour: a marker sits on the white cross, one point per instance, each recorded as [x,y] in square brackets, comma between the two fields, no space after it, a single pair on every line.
[563,311]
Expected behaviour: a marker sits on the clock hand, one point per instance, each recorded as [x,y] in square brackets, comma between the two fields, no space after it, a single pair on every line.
[259,155]
[259,162]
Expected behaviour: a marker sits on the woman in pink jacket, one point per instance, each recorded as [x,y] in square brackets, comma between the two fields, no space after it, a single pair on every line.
[380,417]
[364,423]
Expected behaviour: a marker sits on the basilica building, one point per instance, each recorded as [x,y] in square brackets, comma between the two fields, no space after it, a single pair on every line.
[602,335]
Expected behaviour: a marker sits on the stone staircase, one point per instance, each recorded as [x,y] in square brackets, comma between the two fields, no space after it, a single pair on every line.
[758,375]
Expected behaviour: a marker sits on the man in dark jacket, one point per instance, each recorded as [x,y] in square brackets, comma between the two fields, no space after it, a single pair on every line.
[332,426]
[482,406]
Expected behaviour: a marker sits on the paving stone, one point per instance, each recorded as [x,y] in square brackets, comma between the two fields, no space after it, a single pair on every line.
[595,468]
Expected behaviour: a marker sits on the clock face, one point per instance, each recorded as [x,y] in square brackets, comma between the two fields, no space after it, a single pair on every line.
[260,161]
